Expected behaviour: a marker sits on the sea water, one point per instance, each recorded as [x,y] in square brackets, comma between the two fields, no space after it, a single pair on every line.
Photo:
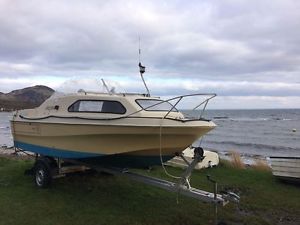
[267,132]
[270,132]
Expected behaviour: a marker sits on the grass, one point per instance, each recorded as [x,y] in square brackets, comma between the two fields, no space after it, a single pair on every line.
[261,165]
[236,160]
[105,199]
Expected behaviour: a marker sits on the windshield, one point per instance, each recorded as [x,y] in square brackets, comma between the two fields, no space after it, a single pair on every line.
[155,105]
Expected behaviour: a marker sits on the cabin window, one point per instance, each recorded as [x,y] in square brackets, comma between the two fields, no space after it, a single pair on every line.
[96,106]
[155,105]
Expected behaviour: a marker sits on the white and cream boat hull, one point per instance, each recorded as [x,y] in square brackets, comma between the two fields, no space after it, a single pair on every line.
[114,139]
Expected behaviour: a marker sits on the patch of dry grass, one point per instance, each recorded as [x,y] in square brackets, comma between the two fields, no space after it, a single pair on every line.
[236,160]
[261,165]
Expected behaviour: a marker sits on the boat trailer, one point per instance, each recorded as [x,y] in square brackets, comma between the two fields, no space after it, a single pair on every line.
[181,187]
[46,168]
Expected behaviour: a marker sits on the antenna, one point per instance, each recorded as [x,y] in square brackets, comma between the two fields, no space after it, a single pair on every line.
[139,49]
[142,68]
[104,84]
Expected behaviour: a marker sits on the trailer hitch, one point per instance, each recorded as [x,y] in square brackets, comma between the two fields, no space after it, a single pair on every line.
[231,196]
[227,195]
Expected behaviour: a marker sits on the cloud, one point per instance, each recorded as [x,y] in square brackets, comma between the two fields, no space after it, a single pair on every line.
[10,84]
[235,48]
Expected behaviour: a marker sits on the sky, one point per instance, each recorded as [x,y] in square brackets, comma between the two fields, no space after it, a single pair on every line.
[247,52]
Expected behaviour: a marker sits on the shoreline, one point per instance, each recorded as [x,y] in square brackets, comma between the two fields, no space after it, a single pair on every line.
[6,150]
[247,159]
[9,152]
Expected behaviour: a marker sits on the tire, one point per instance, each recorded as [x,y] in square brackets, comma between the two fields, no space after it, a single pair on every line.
[42,174]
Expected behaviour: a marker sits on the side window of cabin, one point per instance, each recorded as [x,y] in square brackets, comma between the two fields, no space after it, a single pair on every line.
[97,107]
[90,106]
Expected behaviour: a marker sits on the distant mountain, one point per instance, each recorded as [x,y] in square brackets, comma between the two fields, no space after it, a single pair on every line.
[25,98]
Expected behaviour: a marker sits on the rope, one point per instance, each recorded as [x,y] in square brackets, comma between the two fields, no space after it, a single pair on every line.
[160,152]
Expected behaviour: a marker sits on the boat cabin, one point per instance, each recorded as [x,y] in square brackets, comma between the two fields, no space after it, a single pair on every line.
[102,105]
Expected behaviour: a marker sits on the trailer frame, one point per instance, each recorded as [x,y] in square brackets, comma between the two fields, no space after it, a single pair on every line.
[55,168]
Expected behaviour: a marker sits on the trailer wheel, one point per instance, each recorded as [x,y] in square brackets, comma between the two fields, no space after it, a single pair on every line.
[42,175]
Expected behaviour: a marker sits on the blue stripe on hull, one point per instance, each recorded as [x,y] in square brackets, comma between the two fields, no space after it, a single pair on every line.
[118,160]
[59,153]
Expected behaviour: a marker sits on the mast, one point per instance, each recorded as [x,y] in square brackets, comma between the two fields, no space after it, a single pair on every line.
[142,69]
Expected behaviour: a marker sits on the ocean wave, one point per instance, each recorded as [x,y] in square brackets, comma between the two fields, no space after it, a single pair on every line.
[240,119]
[220,117]
[254,145]
[249,119]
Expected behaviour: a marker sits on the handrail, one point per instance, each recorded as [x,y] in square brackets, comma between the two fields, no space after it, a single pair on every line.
[180,97]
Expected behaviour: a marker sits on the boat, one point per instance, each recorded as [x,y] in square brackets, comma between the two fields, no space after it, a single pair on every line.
[286,168]
[211,159]
[113,132]
[110,129]
[124,129]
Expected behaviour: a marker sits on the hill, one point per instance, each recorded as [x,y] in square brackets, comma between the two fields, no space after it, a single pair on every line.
[25,98]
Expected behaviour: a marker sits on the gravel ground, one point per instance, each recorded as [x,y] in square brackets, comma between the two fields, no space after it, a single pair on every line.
[11,153]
